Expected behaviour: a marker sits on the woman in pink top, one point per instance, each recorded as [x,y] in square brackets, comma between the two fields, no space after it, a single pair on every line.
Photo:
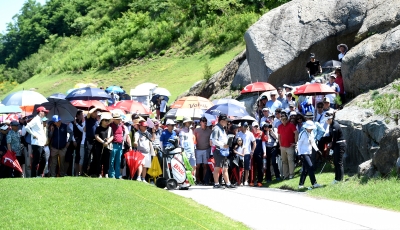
[339,81]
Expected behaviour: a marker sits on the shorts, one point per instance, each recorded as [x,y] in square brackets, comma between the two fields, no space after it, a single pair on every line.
[220,161]
[247,162]
[202,156]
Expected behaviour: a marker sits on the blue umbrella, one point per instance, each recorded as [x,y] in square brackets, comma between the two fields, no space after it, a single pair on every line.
[57,95]
[115,89]
[87,93]
[230,109]
[10,109]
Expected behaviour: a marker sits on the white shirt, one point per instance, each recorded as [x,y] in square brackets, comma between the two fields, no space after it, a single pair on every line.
[306,143]
[248,139]
[35,128]
[163,106]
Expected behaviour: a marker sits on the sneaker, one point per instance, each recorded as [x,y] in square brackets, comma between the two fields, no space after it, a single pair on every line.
[144,181]
[218,186]
[106,176]
[259,185]
[139,179]
[251,184]
[316,185]
[246,183]
[100,176]
[230,186]
[290,177]
[301,186]
[278,179]
[335,182]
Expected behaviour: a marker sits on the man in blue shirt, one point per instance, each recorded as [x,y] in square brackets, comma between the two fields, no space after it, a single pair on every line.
[167,133]
[273,103]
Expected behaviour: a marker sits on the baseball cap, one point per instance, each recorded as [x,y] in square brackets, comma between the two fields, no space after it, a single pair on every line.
[293,113]
[273,93]
[44,119]
[143,123]
[263,97]
[265,109]
[4,127]
[291,104]
[255,123]
[333,75]
[245,124]
[222,116]
[312,55]
[56,118]
[170,122]
[41,109]
[14,123]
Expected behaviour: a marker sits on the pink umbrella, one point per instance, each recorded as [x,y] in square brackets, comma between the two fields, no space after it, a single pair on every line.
[258,87]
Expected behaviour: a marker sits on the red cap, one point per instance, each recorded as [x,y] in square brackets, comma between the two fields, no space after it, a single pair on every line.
[143,123]
[41,108]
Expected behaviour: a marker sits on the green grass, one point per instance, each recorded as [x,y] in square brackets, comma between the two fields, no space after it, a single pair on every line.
[379,192]
[177,74]
[89,203]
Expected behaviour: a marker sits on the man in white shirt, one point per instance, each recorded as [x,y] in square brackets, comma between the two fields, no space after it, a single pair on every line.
[38,138]
[163,107]
[249,145]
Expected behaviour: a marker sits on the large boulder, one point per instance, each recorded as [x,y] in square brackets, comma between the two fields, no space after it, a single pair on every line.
[373,63]
[386,157]
[367,169]
[242,77]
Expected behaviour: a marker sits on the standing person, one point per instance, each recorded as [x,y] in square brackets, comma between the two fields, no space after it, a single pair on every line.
[78,125]
[104,136]
[163,107]
[5,172]
[281,96]
[313,67]
[335,88]
[269,144]
[143,144]
[38,138]
[117,142]
[338,145]
[287,136]
[14,144]
[258,153]
[187,142]
[259,106]
[266,115]
[305,146]
[277,120]
[249,145]
[342,48]
[339,81]
[219,139]
[27,146]
[203,148]
[90,125]
[273,104]
[58,146]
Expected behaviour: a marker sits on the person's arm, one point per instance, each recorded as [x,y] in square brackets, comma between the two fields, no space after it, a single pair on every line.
[296,137]
[253,147]
[8,140]
[81,127]
[128,140]
[264,147]
[135,143]
[23,131]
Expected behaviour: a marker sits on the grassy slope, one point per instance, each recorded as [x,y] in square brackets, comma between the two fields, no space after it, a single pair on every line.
[86,203]
[177,74]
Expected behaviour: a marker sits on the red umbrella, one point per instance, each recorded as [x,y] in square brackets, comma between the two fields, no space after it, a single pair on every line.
[258,87]
[81,104]
[133,159]
[314,89]
[131,106]
[10,160]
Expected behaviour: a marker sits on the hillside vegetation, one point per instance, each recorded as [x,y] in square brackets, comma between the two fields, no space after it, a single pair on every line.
[77,36]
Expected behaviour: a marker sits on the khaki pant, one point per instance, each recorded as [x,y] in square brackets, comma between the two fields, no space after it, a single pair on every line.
[55,153]
[287,155]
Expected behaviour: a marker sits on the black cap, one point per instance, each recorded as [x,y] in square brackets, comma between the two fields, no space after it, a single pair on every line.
[222,116]
[245,124]
[14,123]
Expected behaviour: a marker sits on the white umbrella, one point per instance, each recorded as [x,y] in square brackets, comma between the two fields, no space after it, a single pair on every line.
[228,101]
[162,91]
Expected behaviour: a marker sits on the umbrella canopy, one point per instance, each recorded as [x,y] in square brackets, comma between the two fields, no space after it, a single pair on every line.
[249,119]
[146,86]
[81,104]
[331,64]
[87,93]
[162,91]
[131,107]
[10,109]
[133,159]
[192,102]
[10,160]
[58,95]
[25,99]
[155,98]
[313,89]
[227,100]
[258,87]
[182,112]
[61,107]
[229,109]
[115,89]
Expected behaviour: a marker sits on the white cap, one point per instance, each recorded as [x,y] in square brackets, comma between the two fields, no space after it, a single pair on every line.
[293,113]
[4,127]
[255,123]
[170,122]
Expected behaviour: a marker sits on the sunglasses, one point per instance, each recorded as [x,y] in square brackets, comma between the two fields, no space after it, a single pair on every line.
[320,107]
[106,120]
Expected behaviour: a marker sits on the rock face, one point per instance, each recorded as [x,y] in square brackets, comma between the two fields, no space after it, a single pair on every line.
[386,157]
[366,169]
[373,63]
[242,77]
[278,45]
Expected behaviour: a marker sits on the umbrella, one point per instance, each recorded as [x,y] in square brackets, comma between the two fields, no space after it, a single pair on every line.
[227,100]
[258,87]
[10,160]
[81,104]
[155,168]
[10,109]
[155,98]
[249,119]
[162,91]
[192,102]
[331,64]
[146,86]
[133,159]
[313,89]
[115,89]
[233,110]
[83,85]
[26,99]
[87,93]
[193,113]
[58,95]
[114,110]
[131,107]
[61,107]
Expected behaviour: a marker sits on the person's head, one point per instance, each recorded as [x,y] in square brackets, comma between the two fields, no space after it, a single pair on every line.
[278,112]
[329,117]
[116,118]
[187,122]
[342,48]
[105,119]
[338,72]
[42,111]
[143,126]
[309,116]
[300,119]
[255,126]
[57,120]
[14,125]
[309,126]
[273,95]
[233,129]
[4,128]
[44,121]
[265,112]
[156,123]
[280,91]
[284,119]
[263,99]
[312,57]
[223,119]
[327,103]
[79,115]
[245,126]
[289,96]
[239,141]
[93,112]
[291,106]
[203,123]
[320,107]
[332,78]
[170,124]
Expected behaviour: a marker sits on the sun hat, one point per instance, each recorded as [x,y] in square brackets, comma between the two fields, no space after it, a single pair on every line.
[56,118]
[170,122]
[342,45]
[105,116]
[187,119]
[312,55]
[116,116]
[309,115]
[309,125]
[41,109]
